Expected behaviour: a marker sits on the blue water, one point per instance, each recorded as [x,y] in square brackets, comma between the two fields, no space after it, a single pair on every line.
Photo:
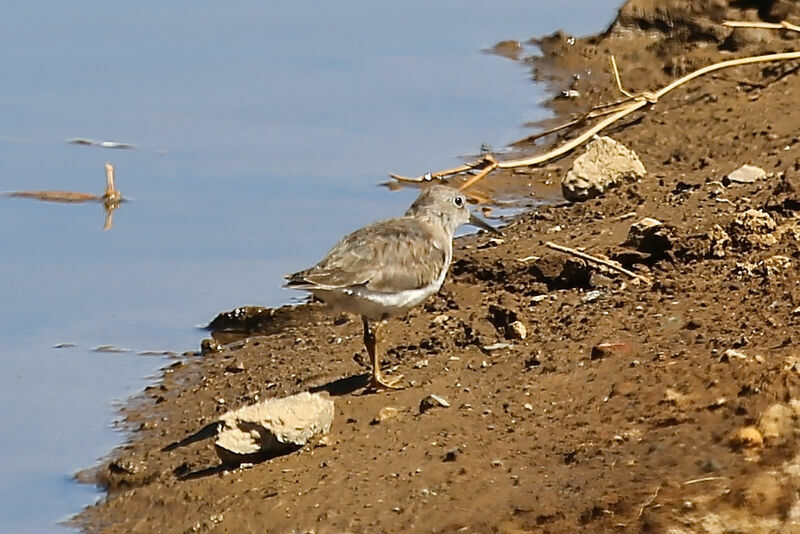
[261,131]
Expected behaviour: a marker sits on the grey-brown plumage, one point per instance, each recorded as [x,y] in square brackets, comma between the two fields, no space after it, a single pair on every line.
[390,266]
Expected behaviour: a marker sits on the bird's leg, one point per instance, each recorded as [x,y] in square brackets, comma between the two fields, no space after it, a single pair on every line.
[377,381]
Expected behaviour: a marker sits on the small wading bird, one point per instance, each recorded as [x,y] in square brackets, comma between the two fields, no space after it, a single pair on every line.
[388,267]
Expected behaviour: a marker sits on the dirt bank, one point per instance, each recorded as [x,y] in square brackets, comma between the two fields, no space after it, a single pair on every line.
[625,407]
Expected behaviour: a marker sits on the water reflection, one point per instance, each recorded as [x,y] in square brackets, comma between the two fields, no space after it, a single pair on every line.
[110,199]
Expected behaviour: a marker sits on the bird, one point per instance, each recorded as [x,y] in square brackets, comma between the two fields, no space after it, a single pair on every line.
[386,268]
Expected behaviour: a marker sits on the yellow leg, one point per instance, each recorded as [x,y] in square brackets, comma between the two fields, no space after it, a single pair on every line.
[377,382]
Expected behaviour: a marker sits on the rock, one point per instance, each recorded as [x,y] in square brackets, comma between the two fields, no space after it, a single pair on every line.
[785,197]
[129,472]
[387,413]
[432,401]
[605,350]
[748,437]
[504,316]
[777,424]
[507,49]
[591,296]
[249,320]
[746,174]
[718,242]
[674,397]
[733,354]
[210,346]
[451,455]
[650,236]
[752,229]
[559,272]
[640,229]
[273,427]
[763,494]
[766,268]
[517,330]
[606,163]
[496,346]
[743,37]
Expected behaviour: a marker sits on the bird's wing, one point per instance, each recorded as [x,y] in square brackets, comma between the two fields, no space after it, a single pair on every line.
[391,255]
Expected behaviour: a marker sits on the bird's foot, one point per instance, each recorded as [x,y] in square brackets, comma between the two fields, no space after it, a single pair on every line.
[379,383]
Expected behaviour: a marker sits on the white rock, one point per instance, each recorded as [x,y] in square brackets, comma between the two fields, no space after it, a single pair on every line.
[605,164]
[432,401]
[274,426]
[517,330]
[777,424]
[747,174]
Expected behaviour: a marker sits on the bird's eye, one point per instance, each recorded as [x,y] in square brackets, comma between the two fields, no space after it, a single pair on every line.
[459,202]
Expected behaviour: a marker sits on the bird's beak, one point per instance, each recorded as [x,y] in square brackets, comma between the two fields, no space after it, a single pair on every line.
[480,223]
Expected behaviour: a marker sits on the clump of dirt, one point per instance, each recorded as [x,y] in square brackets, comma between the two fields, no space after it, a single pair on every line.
[617,406]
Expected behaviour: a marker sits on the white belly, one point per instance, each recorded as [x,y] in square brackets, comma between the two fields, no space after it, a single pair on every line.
[378,305]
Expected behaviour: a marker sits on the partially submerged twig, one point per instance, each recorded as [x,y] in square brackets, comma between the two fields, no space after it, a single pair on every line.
[598,261]
[487,163]
[111,198]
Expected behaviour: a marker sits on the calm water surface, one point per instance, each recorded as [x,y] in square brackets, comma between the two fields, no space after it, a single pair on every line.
[261,131]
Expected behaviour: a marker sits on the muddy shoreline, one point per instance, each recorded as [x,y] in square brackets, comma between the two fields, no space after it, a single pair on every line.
[624,407]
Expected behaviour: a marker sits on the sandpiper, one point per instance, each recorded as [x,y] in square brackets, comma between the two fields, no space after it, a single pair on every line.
[388,267]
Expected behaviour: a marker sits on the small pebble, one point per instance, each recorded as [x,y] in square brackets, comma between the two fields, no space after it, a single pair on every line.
[432,401]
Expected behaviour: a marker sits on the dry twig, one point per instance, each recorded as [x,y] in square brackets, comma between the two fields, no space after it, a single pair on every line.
[648,502]
[111,198]
[782,25]
[598,261]
[488,163]
[705,479]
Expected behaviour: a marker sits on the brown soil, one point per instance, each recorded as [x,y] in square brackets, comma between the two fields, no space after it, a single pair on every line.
[623,407]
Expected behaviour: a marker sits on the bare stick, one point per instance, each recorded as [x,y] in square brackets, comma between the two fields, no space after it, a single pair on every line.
[599,261]
[698,480]
[616,77]
[597,111]
[437,175]
[782,25]
[640,101]
[492,165]
[110,189]
[638,104]
[648,502]
[109,221]
[111,198]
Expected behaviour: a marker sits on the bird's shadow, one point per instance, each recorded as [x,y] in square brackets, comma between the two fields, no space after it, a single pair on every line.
[343,386]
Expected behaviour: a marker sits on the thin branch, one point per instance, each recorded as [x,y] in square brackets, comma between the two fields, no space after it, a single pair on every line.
[597,111]
[705,479]
[492,165]
[598,261]
[639,101]
[782,25]
[638,104]
[616,77]
[648,502]
[111,198]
